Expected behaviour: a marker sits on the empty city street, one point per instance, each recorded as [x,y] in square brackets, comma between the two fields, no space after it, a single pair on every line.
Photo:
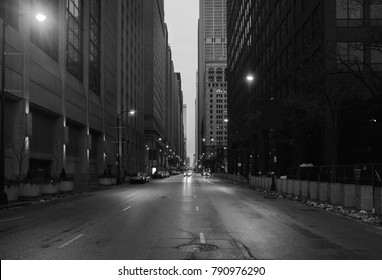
[182,218]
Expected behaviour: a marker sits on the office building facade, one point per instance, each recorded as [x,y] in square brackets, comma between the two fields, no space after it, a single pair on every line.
[212,85]
[163,96]
[67,81]
[306,103]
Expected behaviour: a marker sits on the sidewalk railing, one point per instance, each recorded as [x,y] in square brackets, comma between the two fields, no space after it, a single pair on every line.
[361,174]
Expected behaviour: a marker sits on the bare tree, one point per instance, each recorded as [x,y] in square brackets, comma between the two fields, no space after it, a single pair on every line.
[322,94]
[19,151]
[57,153]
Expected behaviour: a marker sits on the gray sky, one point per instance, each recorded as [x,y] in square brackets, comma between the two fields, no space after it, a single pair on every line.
[181,17]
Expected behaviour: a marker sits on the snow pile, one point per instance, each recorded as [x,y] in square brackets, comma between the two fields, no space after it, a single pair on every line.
[368,217]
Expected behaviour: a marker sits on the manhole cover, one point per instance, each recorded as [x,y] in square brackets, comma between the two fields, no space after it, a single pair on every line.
[192,248]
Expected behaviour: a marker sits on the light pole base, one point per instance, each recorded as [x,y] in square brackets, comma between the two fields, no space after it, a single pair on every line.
[3,198]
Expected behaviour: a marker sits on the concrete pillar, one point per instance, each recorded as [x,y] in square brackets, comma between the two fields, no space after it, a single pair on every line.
[348,195]
[323,191]
[278,184]
[297,187]
[284,185]
[378,200]
[334,193]
[313,190]
[364,197]
[305,189]
[290,186]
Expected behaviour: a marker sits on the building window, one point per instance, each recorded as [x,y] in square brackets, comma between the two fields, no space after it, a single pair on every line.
[349,13]
[211,75]
[376,57]
[74,22]
[219,75]
[350,55]
[45,35]
[11,13]
[94,52]
[376,13]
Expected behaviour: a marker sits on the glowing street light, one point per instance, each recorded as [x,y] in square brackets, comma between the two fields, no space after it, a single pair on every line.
[250,77]
[40,17]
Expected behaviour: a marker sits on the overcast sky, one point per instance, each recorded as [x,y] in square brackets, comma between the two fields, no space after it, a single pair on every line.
[181,17]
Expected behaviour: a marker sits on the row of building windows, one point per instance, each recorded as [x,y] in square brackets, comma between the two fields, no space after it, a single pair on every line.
[219,75]
[352,12]
[215,85]
[353,54]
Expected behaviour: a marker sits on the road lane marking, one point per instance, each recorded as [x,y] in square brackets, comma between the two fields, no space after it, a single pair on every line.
[13,219]
[202,239]
[197,208]
[195,196]
[71,241]
[127,208]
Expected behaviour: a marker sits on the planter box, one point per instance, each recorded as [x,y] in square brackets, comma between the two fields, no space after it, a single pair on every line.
[29,190]
[334,193]
[49,188]
[313,190]
[66,186]
[12,192]
[107,181]
[348,195]
[364,197]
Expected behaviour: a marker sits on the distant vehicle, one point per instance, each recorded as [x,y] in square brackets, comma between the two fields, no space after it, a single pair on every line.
[206,174]
[187,173]
[139,178]
[158,175]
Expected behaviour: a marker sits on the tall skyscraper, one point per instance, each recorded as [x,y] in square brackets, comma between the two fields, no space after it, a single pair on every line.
[212,84]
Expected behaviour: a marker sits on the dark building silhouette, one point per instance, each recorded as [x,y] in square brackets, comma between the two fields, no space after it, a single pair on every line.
[314,97]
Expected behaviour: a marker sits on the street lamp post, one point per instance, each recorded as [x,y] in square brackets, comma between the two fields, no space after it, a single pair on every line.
[40,17]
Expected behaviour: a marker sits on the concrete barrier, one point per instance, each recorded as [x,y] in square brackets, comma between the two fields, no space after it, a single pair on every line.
[297,187]
[364,197]
[290,186]
[323,191]
[378,200]
[334,193]
[313,190]
[305,189]
[348,195]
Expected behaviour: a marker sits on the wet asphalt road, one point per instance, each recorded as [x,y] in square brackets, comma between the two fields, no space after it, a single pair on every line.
[182,218]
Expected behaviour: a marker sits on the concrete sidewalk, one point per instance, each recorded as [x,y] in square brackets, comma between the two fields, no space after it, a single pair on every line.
[79,189]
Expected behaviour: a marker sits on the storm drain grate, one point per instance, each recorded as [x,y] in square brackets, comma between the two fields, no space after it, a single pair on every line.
[192,248]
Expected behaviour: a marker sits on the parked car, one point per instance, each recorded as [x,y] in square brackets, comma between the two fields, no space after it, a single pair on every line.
[138,178]
[158,175]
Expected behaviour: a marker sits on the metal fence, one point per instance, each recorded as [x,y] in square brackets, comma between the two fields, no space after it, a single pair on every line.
[362,174]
